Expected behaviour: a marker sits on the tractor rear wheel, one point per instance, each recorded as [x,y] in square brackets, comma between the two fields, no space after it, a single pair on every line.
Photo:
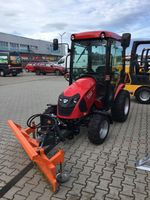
[98,129]
[142,95]
[121,106]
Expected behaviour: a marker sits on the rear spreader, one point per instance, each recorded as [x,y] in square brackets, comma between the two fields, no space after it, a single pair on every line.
[94,98]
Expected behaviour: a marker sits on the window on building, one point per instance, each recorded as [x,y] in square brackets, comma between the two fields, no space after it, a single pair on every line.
[3,45]
[33,48]
[24,47]
[14,46]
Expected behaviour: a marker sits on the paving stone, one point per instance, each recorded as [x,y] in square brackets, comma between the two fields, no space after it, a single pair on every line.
[5,178]
[101,161]
[98,169]
[79,164]
[107,175]
[123,197]
[139,196]
[94,177]
[10,194]
[40,187]
[128,180]
[99,195]
[19,197]
[86,196]
[110,167]
[84,158]
[103,185]
[33,196]
[7,170]
[86,170]
[76,190]
[35,180]
[90,187]
[22,182]
[118,173]
[140,188]
[113,193]
[90,163]
[71,197]
[47,194]
[130,171]
[141,178]
[26,190]
[82,179]
[94,156]
[62,193]
[2,184]
[127,190]
[73,159]
[75,172]
[116,182]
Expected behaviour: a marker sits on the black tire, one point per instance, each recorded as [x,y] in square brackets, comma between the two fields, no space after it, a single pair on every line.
[2,73]
[98,129]
[37,72]
[121,106]
[14,74]
[57,73]
[44,73]
[142,95]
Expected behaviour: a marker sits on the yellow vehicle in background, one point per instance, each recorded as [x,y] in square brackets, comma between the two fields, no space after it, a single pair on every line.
[138,72]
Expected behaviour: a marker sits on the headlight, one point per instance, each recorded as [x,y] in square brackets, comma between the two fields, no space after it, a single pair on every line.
[76,98]
[69,101]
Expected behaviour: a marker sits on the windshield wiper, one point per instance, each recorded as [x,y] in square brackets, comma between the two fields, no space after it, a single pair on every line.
[81,54]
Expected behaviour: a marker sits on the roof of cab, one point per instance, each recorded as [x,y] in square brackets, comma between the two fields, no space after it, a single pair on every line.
[96,34]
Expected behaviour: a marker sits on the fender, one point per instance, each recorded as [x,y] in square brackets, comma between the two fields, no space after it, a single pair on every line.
[119,88]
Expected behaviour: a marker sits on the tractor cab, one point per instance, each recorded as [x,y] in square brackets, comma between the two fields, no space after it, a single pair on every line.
[138,81]
[99,54]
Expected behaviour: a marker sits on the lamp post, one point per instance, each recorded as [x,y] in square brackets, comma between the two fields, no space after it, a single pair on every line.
[61,36]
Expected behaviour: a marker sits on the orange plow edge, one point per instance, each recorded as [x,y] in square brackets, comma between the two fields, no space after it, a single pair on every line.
[36,153]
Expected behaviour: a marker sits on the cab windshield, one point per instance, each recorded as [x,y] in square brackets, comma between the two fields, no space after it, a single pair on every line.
[89,57]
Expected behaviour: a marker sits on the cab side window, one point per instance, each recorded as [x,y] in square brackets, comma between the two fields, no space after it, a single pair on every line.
[116,61]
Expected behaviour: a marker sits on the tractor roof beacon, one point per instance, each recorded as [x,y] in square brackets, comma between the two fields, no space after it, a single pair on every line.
[138,83]
[96,82]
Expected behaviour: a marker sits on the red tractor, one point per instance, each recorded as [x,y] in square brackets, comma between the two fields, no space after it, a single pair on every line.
[94,98]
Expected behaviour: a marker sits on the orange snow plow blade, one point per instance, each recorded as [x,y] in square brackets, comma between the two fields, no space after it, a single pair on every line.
[36,153]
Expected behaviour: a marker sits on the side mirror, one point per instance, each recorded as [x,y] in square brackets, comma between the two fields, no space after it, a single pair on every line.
[55,44]
[125,40]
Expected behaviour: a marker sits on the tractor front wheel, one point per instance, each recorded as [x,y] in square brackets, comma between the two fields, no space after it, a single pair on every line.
[142,95]
[98,129]
[121,106]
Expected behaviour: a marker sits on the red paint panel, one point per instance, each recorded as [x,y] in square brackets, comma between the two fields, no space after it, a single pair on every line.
[96,34]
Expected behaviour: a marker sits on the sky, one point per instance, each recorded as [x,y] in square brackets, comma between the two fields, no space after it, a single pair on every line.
[48,19]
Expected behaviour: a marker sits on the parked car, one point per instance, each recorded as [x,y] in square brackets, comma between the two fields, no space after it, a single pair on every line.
[30,67]
[44,68]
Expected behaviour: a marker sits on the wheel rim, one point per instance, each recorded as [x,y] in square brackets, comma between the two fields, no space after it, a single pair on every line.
[1,73]
[144,95]
[103,129]
[126,107]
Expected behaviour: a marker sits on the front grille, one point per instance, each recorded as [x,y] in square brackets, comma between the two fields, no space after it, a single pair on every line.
[64,111]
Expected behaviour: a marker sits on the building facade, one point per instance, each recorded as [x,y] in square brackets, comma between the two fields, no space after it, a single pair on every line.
[30,49]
